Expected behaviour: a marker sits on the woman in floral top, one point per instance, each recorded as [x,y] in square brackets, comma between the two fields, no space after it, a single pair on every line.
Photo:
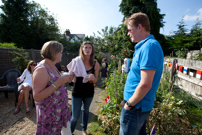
[49,92]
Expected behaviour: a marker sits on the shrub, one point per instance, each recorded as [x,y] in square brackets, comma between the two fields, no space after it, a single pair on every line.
[21,59]
[8,45]
[170,115]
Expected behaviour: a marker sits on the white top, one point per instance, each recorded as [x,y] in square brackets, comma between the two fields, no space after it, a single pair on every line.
[28,78]
[77,67]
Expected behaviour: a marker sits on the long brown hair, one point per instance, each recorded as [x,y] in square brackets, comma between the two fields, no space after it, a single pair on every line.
[28,65]
[92,56]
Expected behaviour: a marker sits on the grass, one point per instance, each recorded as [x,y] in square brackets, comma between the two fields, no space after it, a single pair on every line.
[94,128]
[195,107]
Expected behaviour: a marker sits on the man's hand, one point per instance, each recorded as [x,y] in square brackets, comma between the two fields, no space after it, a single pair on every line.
[126,107]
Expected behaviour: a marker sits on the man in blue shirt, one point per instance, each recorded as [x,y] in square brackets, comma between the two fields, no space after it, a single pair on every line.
[144,76]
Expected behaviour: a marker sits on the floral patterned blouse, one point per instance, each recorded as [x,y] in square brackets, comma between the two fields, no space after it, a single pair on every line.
[53,112]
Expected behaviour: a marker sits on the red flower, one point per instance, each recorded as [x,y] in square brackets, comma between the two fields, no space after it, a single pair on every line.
[107,99]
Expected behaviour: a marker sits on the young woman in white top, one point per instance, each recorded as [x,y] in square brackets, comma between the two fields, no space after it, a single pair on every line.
[25,87]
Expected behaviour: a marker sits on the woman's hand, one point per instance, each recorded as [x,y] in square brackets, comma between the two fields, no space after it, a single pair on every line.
[62,80]
[18,79]
[91,77]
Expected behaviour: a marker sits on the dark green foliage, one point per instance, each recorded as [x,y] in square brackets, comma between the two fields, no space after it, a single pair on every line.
[70,46]
[195,37]
[8,45]
[115,40]
[170,115]
[21,59]
[44,27]
[129,7]
[14,22]
[26,24]
[183,41]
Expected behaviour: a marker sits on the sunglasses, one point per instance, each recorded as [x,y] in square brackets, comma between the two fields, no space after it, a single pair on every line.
[33,64]
[87,42]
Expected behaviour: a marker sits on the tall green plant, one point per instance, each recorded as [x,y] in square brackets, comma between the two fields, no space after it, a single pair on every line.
[21,59]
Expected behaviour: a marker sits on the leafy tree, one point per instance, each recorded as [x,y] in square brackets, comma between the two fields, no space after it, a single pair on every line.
[14,22]
[179,41]
[128,7]
[27,24]
[114,41]
[70,46]
[43,26]
[195,36]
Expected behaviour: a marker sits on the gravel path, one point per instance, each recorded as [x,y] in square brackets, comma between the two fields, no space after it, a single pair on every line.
[25,123]
[93,110]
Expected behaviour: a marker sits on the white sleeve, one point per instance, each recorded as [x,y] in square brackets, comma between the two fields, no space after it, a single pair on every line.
[24,74]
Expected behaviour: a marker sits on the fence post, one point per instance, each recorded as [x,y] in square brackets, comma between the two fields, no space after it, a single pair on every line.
[33,55]
[172,70]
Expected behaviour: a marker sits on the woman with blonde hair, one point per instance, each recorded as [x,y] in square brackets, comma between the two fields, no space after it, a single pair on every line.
[49,92]
[25,87]
[85,73]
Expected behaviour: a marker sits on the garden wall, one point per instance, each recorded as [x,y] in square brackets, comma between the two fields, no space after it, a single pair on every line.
[189,75]
[6,58]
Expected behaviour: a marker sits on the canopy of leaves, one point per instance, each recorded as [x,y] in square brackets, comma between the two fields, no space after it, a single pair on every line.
[26,24]
[116,41]
[129,7]
[182,41]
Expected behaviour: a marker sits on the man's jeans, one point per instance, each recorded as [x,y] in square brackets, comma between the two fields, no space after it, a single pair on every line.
[133,122]
[76,109]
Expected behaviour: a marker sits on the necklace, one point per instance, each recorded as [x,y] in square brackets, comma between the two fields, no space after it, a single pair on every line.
[49,66]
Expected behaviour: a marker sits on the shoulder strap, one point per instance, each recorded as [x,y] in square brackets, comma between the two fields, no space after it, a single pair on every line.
[94,63]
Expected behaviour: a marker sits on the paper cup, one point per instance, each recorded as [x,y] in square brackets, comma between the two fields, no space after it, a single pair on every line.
[65,73]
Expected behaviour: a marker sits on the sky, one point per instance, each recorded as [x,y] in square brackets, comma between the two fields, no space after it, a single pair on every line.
[89,16]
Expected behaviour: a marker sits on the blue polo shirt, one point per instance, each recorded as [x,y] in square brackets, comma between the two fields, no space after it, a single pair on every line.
[148,55]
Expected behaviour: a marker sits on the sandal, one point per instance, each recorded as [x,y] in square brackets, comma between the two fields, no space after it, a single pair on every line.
[16,111]
[27,110]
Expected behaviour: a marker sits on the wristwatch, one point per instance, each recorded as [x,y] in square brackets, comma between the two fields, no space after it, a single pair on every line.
[128,104]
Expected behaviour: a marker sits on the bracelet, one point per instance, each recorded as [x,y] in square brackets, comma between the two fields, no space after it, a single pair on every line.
[54,86]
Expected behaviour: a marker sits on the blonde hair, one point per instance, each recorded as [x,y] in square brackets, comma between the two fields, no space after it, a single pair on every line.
[92,56]
[103,65]
[138,18]
[50,49]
